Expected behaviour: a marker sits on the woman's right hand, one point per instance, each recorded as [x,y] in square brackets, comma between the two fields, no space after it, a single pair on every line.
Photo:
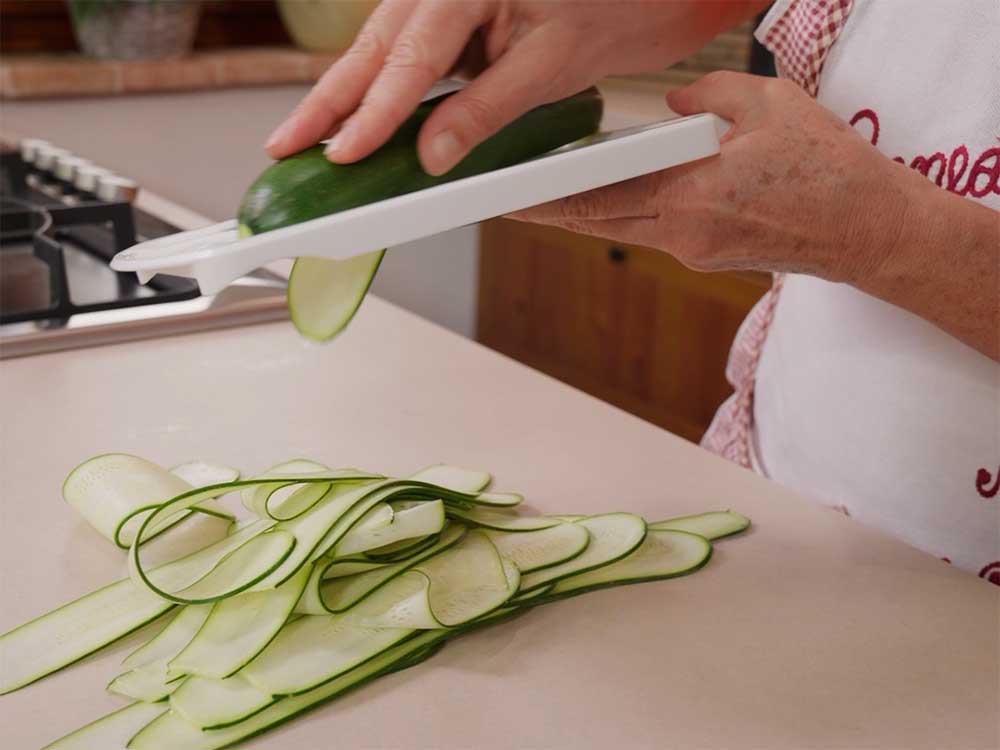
[518,56]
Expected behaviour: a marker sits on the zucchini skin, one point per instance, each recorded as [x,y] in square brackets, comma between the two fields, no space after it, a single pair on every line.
[307,185]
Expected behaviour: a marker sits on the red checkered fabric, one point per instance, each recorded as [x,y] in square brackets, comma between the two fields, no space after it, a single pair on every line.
[801,37]
[729,433]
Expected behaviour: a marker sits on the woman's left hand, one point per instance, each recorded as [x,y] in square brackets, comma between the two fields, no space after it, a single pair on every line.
[795,189]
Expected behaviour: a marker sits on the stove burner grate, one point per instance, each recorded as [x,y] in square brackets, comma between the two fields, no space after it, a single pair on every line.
[74,242]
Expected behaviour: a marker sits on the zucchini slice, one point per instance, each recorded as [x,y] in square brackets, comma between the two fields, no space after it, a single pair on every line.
[535,550]
[317,648]
[75,630]
[211,703]
[662,554]
[170,731]
[147,678]
[713,525]
[500,521]
[114,492]
[237,630]
[112,731]
[612,537]
[454,587]
[421,520]
[342,593]
[324,294]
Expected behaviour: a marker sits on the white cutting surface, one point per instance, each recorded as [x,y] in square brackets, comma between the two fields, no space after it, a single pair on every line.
[810,632]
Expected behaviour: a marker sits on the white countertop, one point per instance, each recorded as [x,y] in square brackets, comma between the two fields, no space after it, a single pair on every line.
[811,631]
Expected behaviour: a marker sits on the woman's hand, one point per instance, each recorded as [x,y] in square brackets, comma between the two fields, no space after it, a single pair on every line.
[795,189]
[519,55]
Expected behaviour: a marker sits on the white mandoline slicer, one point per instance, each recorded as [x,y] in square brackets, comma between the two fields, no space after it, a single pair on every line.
[216,255]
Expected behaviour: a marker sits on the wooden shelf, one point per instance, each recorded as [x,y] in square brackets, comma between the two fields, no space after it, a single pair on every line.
[38,76]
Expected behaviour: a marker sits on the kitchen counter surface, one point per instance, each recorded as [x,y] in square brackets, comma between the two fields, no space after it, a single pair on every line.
[811,631]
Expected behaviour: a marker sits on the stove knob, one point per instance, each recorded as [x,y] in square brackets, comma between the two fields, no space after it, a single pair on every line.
[67,166]
[29,148]
[86,177]
[116,189]
[45,156]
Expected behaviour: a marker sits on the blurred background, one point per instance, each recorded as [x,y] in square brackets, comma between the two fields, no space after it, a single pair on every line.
[179,97]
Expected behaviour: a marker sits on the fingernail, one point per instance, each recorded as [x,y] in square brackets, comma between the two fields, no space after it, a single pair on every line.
[341,139]
[445,151]
[279,133]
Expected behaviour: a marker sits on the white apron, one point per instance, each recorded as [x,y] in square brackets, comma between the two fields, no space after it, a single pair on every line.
[854,401]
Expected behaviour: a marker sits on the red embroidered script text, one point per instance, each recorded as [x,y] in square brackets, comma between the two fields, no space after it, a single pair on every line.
[955,172]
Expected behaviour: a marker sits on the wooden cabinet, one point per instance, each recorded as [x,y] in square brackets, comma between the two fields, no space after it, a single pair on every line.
[627,324]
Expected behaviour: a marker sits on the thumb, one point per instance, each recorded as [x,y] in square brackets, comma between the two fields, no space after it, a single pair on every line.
[731,95]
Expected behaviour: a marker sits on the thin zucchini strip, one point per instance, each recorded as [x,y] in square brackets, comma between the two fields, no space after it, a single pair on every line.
[349,566]
[211,703]
[146,678]
[286,498]
[535,550]
[451,588]
[713,525]
[317,648]
[170,641]
[401,550]
[264,557]
[74,631]
[500,521]
[95,620]
[421,520]
[323,527]
[114,492]
[172,732]
[612,537]
[112,731]
[662,554]
[202,474]
[455,478]
[324,294]
[148,684]
[237,630]
[342,593]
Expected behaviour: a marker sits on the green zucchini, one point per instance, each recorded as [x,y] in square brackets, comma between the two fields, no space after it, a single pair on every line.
[324,294]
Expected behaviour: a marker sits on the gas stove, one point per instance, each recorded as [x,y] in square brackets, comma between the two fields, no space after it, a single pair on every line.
[62,219]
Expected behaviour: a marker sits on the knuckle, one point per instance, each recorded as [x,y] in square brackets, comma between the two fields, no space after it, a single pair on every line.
[367,45]
[322,98]
[718,77]
[781,87]
[380,108]
[410,55]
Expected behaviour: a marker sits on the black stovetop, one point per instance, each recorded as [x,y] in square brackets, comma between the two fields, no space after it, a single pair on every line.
[56,244]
